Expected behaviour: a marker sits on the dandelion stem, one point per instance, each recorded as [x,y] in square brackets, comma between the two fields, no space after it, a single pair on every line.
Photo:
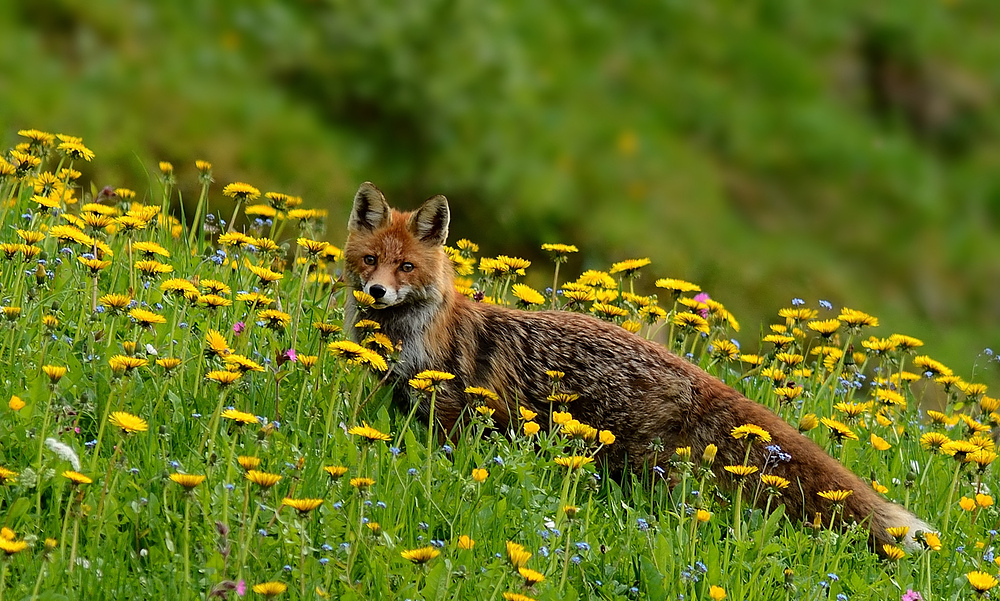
[187,543]
[100,431]
[951,497]
[430,442]
[41,445]
[232,220]
[197,224]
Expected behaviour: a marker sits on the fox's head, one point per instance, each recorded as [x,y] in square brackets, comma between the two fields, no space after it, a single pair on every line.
[398,257]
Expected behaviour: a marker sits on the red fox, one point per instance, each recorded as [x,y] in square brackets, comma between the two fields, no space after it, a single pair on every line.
[633,387]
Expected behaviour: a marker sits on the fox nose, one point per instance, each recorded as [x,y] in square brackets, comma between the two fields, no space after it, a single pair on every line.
[377,291]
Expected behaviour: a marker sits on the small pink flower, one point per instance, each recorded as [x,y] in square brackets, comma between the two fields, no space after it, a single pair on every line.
[291,356]
[238,327]
[702,297]
[911,595]
[241,588]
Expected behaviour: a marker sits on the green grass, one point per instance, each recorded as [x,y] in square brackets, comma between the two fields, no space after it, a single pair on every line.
[133,532]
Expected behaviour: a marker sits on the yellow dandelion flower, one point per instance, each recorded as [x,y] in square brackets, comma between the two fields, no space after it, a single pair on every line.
[241,363]
[75,150]
[54,372]
[629,267]
[146,318]
[303,506]
[516,554]
[509,596]
[369,433]
[725,350]
[241,191]
[573,462]
[421,555]
[773,481]
[77,477]
[824,327]
[892,552]
[741,471]
[240,417]
[114,302]
[434,375]
[605,437]
[10,547]
[335,471]
[127,422]
[959,449]
[527,296]
[808,422]
[716,593]
[837,496]
[981,581]
[677,287]
[838,429]
[531,577]
[362,483]
[313,247]
[561,417]
[691,321]
[559,249]
[932,541]
[526,414]
[265,275]
[123,363]
[879,488]
[794,314]
[879,443]
[857,319]
[223,377]
[934,440]
[751,432]
[248,462]
[928,365]
[262,479]
[188,481]
[270,589]
[274,319]
[562,397]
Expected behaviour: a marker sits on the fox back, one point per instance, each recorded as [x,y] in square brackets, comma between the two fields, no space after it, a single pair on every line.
[648,397]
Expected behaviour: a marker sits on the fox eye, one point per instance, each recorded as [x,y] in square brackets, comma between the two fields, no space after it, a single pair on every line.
[407,267]
[370,260]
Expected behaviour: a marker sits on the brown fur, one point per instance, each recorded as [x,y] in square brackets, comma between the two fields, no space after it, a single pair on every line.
[635,388]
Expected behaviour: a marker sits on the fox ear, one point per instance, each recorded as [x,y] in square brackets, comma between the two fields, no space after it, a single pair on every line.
[370,210]
[430,222]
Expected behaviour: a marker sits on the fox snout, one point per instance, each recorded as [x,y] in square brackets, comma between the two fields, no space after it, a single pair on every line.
[385,295]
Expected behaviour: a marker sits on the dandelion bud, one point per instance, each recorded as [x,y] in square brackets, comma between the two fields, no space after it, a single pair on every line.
[808,422]
[166,168]
[708,455]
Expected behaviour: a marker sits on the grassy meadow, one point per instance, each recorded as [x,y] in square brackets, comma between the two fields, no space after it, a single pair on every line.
[183,418]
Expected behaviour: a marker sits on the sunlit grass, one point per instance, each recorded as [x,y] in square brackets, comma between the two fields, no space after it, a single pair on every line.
[185,419]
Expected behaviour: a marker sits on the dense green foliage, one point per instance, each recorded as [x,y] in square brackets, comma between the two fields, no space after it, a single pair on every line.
[766,147]
[162,440]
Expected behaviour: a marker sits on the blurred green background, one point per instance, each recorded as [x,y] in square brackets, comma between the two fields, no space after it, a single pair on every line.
[766,149]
